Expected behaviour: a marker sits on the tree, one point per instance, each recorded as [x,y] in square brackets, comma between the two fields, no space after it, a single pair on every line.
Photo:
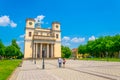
[82,49]
[116,45]
[107,46]
[66,52]
[13,50]
[2,49]
[14,43]
[10,51]
[18,53]
[89,47]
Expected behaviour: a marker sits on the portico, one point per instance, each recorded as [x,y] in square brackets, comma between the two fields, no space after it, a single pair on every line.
[38,48]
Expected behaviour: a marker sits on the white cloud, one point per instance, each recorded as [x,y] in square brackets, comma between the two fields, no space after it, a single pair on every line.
[12,24]
[77,40]
[66,44]
[40,18]
[66,38]
[92,38]
[22,36]
[19,42]
[5,21]
[66,41]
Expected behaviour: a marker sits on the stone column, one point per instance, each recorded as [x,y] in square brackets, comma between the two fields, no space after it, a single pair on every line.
[47,50]
[51,50]
[40,50]
[32,50]
[36,49]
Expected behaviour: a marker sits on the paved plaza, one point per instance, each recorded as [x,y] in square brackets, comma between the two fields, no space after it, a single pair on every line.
[74,70]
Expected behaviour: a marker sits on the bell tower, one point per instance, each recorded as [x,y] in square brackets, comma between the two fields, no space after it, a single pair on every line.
[57,34]
[29,32]
[30,23]
[56,30]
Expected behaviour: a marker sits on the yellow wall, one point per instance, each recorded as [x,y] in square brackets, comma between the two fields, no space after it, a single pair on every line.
[57,50]
[28,49]
[27,34]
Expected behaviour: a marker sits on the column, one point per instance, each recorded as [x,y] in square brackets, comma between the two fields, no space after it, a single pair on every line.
[41,50]
[36,50]
[51,50]
[47,50]
[33,51]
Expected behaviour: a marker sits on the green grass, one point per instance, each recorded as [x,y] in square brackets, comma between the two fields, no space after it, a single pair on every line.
[103,59]
[7,67]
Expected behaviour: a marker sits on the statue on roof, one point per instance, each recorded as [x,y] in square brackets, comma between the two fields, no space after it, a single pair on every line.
[38,23]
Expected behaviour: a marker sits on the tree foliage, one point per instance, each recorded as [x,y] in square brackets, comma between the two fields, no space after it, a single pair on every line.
[11,51]
[2,49]
[102,47]
[82,49]
[66,52]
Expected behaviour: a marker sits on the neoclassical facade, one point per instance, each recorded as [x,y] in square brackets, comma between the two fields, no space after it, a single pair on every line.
[38,39]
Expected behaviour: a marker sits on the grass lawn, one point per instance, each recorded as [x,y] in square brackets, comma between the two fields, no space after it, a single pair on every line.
[103,59]
[7,67]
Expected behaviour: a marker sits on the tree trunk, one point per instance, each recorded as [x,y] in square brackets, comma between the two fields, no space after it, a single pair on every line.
[103,55]
[0,57]
[99,54]
[106,55]
[119,54]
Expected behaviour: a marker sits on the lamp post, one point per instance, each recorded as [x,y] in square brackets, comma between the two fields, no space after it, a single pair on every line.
[43,56]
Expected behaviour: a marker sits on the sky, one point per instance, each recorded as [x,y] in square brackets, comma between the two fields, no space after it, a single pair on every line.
[81,20]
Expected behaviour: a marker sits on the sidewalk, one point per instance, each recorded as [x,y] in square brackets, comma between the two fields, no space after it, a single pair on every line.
[75,70]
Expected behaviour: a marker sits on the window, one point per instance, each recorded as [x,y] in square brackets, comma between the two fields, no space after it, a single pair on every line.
[56,26]
[57,36]
[30,34]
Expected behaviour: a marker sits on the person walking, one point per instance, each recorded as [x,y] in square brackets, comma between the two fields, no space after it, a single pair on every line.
[64,61]
[60,62]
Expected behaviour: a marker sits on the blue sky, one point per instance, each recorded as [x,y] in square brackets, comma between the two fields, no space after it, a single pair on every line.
[81,20]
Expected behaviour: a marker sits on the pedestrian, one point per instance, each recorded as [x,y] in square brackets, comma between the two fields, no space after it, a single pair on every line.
[60,62]
[64,61]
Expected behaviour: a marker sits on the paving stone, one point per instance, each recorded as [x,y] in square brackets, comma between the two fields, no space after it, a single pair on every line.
[74,70]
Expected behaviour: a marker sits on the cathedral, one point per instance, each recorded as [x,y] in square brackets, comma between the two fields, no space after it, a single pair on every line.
[38,39]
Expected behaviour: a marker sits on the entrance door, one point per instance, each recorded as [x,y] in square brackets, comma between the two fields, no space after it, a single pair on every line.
[44,51]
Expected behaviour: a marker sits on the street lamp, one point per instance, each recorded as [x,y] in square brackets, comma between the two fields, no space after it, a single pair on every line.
[43,56]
